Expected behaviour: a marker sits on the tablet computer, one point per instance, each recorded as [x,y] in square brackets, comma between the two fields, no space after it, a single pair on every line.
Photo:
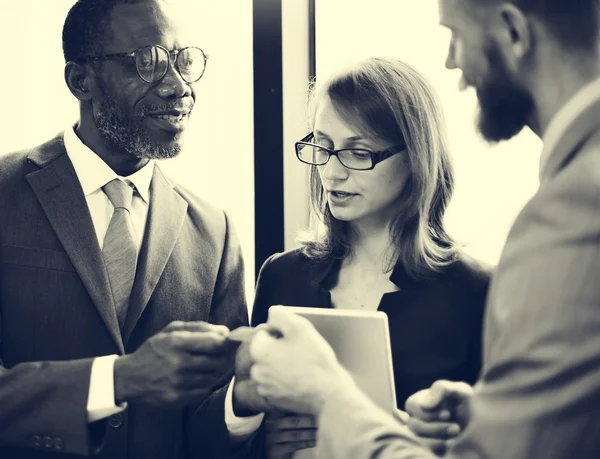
[361,342]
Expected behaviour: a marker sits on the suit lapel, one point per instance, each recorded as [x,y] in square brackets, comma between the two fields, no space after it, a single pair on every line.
[318,294]
[58,190]
[574,135]
[165,218]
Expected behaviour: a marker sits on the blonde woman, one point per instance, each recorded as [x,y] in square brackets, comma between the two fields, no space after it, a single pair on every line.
[381,179]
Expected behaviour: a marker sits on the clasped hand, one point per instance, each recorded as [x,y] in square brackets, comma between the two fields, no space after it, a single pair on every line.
[440,413]
[179,365]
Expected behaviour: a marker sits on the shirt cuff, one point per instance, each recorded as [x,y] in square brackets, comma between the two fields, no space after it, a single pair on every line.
[101,397]
[239,426]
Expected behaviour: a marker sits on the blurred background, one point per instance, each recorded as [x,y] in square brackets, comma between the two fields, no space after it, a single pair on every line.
[239,150]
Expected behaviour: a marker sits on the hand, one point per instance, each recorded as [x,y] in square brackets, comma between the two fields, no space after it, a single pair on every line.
[177,366]
[296,371]
[246,399]
[288,433]
[440,413]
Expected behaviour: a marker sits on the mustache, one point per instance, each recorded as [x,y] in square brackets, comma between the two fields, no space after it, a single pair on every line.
[181,106]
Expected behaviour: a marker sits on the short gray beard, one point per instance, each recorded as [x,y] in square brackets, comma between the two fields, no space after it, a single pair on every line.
[125,136]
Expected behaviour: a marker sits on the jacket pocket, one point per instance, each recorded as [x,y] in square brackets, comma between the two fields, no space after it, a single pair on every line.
[34,257]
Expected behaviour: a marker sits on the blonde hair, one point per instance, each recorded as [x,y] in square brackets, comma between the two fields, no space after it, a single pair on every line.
[388,100]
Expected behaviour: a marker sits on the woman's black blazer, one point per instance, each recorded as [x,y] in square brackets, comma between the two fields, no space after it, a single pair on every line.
[435,324]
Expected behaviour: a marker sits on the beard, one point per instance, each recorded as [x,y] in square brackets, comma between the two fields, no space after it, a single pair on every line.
[505,106]
[125,135]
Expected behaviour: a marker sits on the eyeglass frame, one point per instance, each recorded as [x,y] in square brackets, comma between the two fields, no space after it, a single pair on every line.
[376,156]
[173,56]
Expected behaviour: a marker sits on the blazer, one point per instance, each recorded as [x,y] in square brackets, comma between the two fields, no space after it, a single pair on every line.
[539,393]
[435,324]
[57,313]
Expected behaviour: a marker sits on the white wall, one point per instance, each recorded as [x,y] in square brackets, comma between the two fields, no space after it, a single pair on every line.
[493,183]
[218,159]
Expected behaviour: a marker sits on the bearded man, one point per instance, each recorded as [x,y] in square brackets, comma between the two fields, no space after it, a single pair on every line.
[117,286]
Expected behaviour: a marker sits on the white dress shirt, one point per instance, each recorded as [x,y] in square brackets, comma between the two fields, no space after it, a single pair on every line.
[93,173]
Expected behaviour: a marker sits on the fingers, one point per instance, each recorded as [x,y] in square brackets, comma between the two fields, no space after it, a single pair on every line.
[193,342]
[433,404]
[435,430]
[205,364]
[443,391]
[284,450]
[285,322]
[196,326]
[290,422]
[290,433]
[434,397]
[293,436]
[415,406]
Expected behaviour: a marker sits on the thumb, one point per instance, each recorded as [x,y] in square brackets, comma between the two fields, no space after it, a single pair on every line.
[262,345]
[435,397]
[285,322]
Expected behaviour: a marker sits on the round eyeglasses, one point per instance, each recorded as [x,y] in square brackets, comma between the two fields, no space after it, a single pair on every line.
[152,62]
[359,159]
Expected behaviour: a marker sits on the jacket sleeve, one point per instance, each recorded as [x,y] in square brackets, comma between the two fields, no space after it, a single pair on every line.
[43,405]
[351,425]
[539,395]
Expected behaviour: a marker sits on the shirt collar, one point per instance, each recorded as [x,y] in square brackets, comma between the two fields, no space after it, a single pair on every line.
[93,173]
[588,95]
[324,270]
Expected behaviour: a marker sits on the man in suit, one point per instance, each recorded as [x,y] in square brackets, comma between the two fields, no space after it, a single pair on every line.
[533,63]
[117,287]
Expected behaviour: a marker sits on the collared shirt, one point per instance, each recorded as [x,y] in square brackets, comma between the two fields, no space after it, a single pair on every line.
[93,173]
[566,115]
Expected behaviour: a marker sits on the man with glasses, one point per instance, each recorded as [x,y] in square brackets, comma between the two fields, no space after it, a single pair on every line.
[117,287]
[533,63]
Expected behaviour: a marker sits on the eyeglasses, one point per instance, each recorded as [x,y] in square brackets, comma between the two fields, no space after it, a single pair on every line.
[152,62]
[359,159]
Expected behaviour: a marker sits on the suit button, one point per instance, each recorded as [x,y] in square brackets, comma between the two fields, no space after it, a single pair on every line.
[36,441]
[59,443]
[48,442]
[115,420]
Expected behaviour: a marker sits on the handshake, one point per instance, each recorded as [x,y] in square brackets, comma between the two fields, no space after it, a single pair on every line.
[284,368]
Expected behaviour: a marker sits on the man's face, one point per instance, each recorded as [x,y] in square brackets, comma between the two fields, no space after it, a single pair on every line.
[136,118]
[505,105]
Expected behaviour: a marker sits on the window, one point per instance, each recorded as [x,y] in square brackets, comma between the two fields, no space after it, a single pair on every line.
[492,182]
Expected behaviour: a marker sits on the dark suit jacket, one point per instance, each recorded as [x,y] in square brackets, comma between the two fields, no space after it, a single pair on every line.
[435,324]
[57,313]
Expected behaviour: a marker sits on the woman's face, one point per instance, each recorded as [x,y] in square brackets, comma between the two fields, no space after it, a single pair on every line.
[355,196]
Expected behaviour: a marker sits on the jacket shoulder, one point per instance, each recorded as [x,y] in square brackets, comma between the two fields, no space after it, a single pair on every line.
[11,164]
[471,269]
[293,260]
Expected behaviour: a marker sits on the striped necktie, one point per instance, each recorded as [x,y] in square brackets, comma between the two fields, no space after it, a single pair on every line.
[119,250]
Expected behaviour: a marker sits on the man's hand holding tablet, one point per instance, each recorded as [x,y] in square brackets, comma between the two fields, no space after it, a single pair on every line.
[319,349]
